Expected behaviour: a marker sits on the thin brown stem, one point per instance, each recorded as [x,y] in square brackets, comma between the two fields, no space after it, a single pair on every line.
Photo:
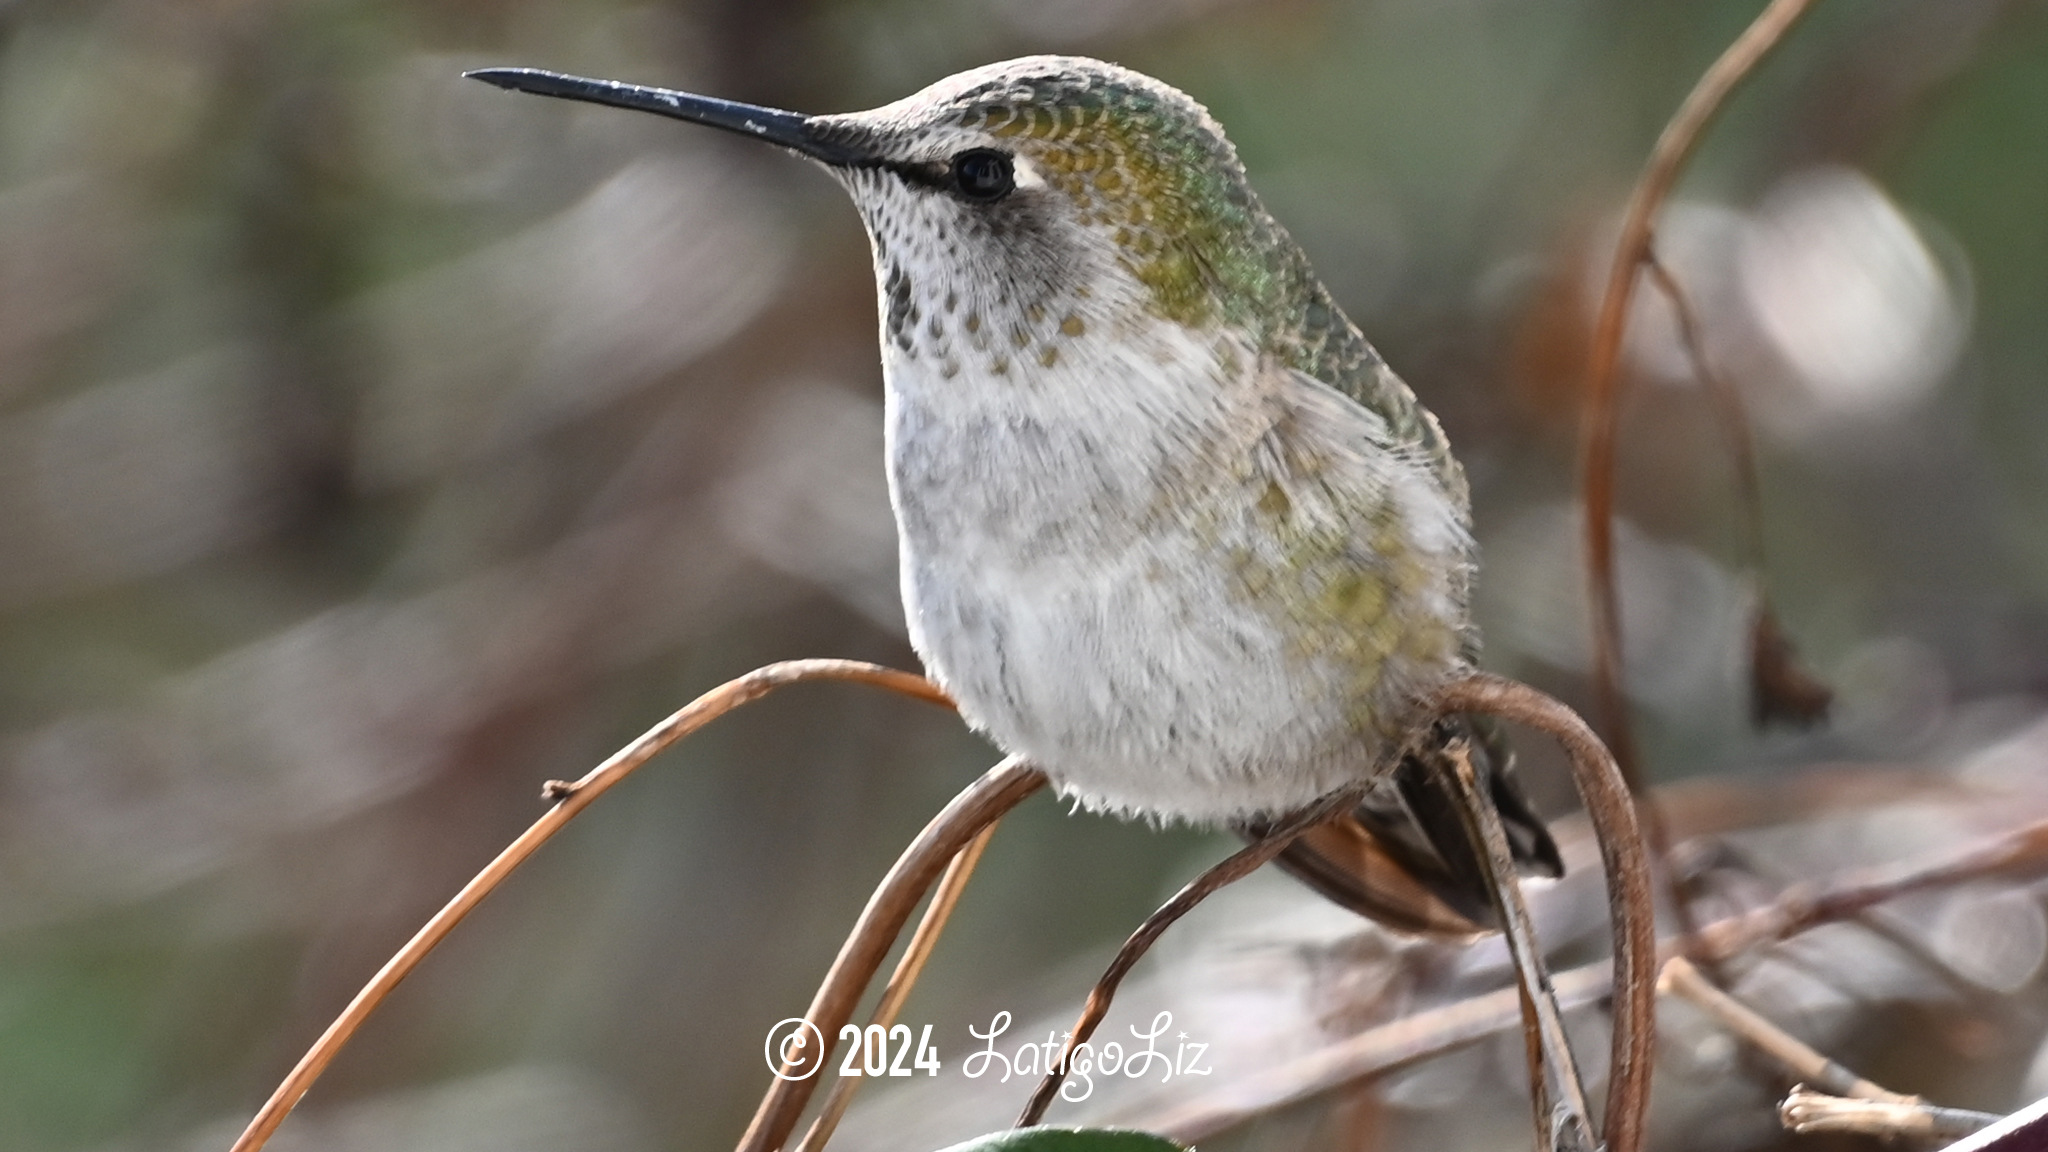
[1613,815]
[1735,428]
[1435,1031]
[944,899]
[1667,159]
[569,799]
[999,789]
[1357,1058]
[1234,868]
[1557,1092]
[1731,413]
[1781,690]
[1805,1062]
[2023,851]
[1889,927]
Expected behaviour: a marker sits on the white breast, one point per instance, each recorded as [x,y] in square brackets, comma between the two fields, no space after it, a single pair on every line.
[1075,539]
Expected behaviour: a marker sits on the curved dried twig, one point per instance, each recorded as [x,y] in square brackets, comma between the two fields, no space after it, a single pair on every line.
[1000,789]
[1780,690]
[1680,978]
[569,798]
[2020,853]
[1355,1059]
[901,981]
[1612,813]
[1729,410]
[1557,1092]
[1674,146]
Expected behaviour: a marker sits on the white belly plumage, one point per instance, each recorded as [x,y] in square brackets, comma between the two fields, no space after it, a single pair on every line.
[1138,692]
[1097,618]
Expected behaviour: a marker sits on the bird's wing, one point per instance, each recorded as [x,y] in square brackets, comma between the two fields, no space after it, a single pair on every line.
[1344,862]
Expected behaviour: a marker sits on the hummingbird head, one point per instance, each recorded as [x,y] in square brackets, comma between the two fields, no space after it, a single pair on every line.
[1024,186]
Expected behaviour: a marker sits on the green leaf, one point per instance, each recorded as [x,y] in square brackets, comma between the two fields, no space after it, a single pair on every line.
[1067,1140]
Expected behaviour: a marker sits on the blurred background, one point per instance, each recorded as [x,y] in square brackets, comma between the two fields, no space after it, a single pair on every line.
[375,445]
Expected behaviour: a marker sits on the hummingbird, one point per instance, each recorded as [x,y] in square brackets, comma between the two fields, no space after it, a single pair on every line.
[1168,525]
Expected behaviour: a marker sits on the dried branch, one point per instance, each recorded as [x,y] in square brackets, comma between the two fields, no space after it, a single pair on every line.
[1556,1091]
[569,799]
[1638,230]
[1851,1103]
[999,789]
[1727,403]
[1367,1054]
[2022,852]
[1635,248]
[1806,1111]
[901,981]
[1878,921]
[1439,1030]
[1612,813]
[1780,688]
[1682,979]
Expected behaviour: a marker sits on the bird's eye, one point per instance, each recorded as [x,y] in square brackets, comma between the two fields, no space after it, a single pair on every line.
[983,174]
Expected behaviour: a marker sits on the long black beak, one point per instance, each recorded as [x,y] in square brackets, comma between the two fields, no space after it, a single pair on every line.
[791,130]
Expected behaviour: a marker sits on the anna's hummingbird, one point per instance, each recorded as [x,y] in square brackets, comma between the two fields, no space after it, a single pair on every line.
[1169,526]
